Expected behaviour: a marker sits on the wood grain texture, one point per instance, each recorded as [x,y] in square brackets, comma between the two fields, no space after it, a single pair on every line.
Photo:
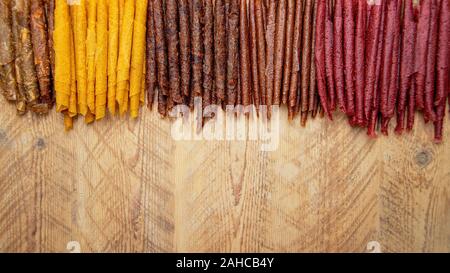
[127,186]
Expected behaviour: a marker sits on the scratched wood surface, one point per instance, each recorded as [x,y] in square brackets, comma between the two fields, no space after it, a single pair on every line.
[127,186]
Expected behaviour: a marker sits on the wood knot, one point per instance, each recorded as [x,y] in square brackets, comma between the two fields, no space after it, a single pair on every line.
[423,158]
[40,143]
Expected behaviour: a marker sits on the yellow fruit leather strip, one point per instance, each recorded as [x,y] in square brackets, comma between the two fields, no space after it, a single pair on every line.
[137,59]
[113,50]
[73,78]
[68,122]
[90,52]
[101,60]
[61,38]
[125,46]
[80,25]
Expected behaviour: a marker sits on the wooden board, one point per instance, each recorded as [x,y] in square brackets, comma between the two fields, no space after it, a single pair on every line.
[128,186]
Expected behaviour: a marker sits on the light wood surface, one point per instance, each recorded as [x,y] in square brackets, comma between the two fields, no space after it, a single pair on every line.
[127,186]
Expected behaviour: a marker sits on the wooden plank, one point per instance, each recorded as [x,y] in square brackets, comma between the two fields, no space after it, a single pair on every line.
[123,185]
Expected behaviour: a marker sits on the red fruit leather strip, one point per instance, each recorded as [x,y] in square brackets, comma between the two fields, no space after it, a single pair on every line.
[244,56]
[297,41]
[185,46]
[359,62]
[254,56]
[409,27]
[394,76]
[439,123]
[197,47]
[270,50]
[421,51]
[233,52]
[261,44]
[429,112]
[443,60]
[394,82]
[171,19]
[161,48]
[151,75]
[208,62]
[338,57]
[372,38]
[306,56]
[290,25]
[443,54]
[349,55]
[312,73]
[411,107]
[375,107]
[386,69]
[320,55]
[329,55]
[280,46]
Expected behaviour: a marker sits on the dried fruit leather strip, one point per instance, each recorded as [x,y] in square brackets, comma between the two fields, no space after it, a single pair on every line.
[72,111]
[429,113]
[261,45]
[233,53]
[331,92]
[421,52]
[124,61]
[197,48]
[443,54]
[220,50]
[61,39]
[151,75]
[295,71]
[244,56]
[290,24]
[171,20]
[360,81]
[255,67]
[386,68]
[375,103]
[90,53]
[68,121]
[409,28]
[319,56]
[50,11]
[113,53]
[306,55]
[372,41]
[394,75]
[138,56]
[443,71]
[338,56]
[80,32]
[161,48]
[24,49]
[40,49]
[280,48]
[185,46]
[349,55]
[312,73]
[8,82]
[101,59]
[208,62]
